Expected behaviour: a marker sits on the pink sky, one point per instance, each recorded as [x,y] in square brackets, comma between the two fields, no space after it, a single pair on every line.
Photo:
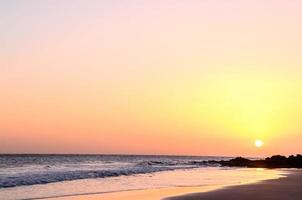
[151,77]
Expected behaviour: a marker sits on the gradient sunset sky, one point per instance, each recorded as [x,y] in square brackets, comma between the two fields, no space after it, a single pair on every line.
[204,77]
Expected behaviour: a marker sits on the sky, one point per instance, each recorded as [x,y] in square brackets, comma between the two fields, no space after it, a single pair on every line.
[151,77]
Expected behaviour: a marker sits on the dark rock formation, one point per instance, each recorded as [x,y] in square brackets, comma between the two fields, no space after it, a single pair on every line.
[271,162]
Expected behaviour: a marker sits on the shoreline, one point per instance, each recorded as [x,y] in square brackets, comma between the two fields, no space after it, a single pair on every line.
[142,194]
[287,187]
[184,193]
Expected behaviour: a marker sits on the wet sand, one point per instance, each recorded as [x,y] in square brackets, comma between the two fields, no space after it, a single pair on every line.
[287,188]
[150,194]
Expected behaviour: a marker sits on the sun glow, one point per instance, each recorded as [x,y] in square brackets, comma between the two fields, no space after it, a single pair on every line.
[258,143]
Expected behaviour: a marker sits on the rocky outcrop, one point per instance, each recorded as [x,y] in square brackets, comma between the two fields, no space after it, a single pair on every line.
[276,161]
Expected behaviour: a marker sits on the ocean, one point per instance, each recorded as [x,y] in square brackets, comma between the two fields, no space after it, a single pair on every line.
[43,176]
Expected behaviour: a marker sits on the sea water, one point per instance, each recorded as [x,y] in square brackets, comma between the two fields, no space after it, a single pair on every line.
[44,176]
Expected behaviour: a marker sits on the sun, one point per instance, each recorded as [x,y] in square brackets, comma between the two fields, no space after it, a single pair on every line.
[258,143]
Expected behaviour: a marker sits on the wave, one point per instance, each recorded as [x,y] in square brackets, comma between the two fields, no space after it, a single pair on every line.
[175,163]
[67,172]
[52,177]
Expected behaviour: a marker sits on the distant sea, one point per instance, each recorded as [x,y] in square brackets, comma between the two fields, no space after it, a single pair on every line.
[40,176]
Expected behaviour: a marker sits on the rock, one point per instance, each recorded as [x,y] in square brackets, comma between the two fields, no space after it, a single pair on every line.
[276,161]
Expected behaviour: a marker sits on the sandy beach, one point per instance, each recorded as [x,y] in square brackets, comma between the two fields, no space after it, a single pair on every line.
[286,188]
[150,194]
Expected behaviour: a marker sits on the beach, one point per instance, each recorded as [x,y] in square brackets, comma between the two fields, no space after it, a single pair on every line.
[286,188]
[113,177]
[118,176]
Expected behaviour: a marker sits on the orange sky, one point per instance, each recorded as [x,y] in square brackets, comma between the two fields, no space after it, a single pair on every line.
[172,77]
